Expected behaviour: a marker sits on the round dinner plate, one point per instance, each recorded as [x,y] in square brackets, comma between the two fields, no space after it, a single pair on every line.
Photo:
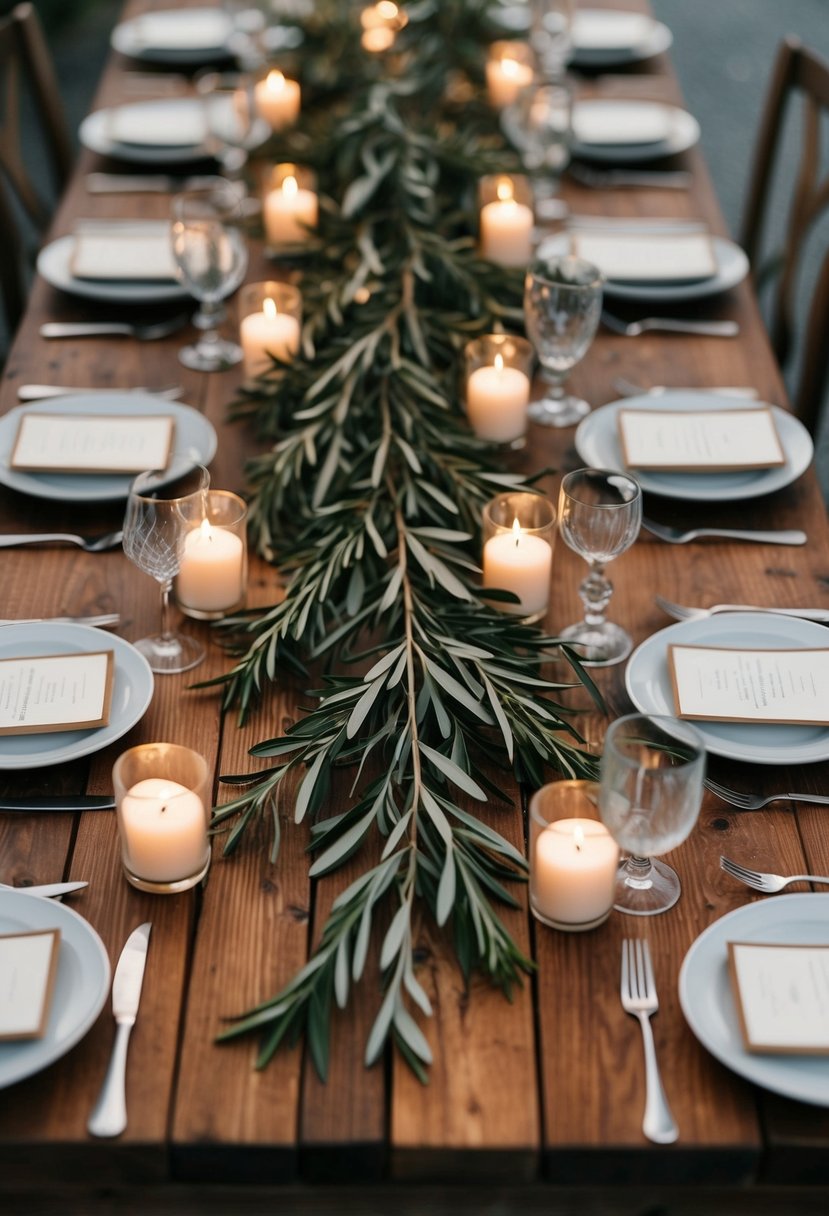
[81,982]
[132,691]
[707,999]
[54,262]
[684,132]
[658,39]
[597,443]
[195,438]
[648,683]
[163,41]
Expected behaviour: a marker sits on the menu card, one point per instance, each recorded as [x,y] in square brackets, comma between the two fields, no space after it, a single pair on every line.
[55,692]
[123,253]
[153,124]
[612,122]
[647,257]
[97,443]
[28,966]
[722,684]
[703,441]
[604,30]
[200,29]
[782,996]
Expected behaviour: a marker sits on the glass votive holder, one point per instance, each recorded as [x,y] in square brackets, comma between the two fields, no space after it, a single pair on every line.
[212,579]
[573,857]
[498,376]
[506,219]
[509,68]
[290,208]
[519,534]
[270,322]
[277,100]
[162,799]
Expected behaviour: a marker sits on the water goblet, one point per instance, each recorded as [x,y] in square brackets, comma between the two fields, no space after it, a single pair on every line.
[162,507]
[230,113]
[562,307]
[650,793]
[551,35]
[211,256]
[540,124]
[600,513]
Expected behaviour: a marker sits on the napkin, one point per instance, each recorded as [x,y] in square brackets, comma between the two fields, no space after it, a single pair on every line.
[199,29]
[123,252]
[602,30]
[614,122]
[647,256]
[156,124]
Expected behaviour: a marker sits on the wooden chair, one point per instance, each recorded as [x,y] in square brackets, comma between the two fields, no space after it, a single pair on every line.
[797,72]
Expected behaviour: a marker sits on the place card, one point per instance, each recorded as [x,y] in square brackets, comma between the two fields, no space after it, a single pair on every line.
[44,693]
[647,257]
[93,443]
[608,122]
[700,441]
[782,996]
[604,30]
[117,252]
[152,124]
[180,30]
[28,966]
[724,684]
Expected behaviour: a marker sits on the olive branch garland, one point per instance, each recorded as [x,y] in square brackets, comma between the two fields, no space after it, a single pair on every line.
[370,497]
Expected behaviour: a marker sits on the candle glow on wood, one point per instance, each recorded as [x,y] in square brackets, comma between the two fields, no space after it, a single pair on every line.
[289,213]
[163,830]
[266,333]
[277,100]
[506,228]
[496,401]
[520,562]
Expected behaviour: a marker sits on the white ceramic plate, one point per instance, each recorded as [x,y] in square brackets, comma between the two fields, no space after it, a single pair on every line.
[195,438]
[659,39]
[54,261]
[81,983]
[684,133]
[209,39]
[708,1004]
[132,691]
[648,683]
[597,443]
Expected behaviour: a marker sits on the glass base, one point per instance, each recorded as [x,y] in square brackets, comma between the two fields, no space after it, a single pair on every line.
[569,926]
[655,890]
[170,655]
[558,411]
[598,645]
[170,887]
[211,356]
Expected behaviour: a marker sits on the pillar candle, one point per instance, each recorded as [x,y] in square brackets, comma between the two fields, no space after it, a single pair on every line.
[277,100]
[267,333]
[496,401]
[505,78]
[573,877]
[507,229]
[211,574]
[289,212]
[517,561]
[164,830]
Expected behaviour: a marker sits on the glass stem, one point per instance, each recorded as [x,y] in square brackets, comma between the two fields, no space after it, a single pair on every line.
[555,381]
[595,593]
[166,628]
[638,872]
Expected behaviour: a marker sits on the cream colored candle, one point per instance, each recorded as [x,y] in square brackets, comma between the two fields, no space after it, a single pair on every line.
[289,212]
[496,401]
[163,830]
[505,78]
[211,575]
[517,561]
[507,229]
[277,100]
[267,333]
[573,872]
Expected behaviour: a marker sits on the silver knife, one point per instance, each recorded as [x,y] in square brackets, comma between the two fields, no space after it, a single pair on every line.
[60,802]
[41,392]
[47,889]
[109,1115]
[155,183]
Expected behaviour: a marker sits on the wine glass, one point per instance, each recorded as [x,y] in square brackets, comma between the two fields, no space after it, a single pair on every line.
[211,255]
[163,505]
[540,124]
[551,35]
[600,513]
[230,113]
[650,792]
[562,306]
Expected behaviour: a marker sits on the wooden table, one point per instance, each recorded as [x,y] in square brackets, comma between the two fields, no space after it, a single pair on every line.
[538,1101]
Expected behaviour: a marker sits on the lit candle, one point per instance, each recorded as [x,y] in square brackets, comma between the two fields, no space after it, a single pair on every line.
[289,213]
[573,872]
[163,830]
[267,333]
[496,401]
[277,100]
[505,78]
[517,561]
[506,229]
[211,574]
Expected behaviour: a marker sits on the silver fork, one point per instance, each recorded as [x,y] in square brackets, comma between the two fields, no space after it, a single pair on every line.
[602,179]
[104,329]
[681,612]
[96,544]
[632,329]
[638,993]
[755,802]
[769,884]
[681,536]
[628,389]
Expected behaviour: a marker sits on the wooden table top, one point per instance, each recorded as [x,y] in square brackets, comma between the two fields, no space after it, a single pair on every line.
[546,1091]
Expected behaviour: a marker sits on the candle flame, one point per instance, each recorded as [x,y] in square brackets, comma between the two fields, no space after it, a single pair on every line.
[206,532]
[270,310]
[516,531]
[289,186]
[499,364]
[504,190]
[510,67]
[387,9]
[275,82]
[578,836]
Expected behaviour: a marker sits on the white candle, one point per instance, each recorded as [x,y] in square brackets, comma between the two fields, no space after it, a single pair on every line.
[517,561]
[496,401]
[277,100]
[506,229]
[163,830]
[505,78]
[573,872]
[211,575]
[267,333]
[289,212]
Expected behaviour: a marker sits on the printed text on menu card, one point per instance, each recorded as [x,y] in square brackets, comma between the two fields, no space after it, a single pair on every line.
[699,440]
[55,692]
[782,995]
[733,685]
[101,443]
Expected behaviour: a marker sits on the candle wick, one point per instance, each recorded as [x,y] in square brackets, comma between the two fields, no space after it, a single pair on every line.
[578,846]
[163,809]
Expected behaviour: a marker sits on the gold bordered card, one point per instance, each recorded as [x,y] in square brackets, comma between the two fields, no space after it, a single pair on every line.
[93,443]
[121,251]
[28,966]
[646,257]
[782,996]
[700,441]
[55,692]
[723,684]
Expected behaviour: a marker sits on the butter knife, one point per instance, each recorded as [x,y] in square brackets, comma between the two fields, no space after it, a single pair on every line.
[60,802]
[109,1115]
[47,889]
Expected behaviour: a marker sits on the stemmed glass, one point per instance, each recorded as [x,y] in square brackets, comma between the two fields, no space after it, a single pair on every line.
[163,505]
[212,257]
[540,124]
[551,34]
[600,513]
[562,307]
[230,113]
[652,771]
